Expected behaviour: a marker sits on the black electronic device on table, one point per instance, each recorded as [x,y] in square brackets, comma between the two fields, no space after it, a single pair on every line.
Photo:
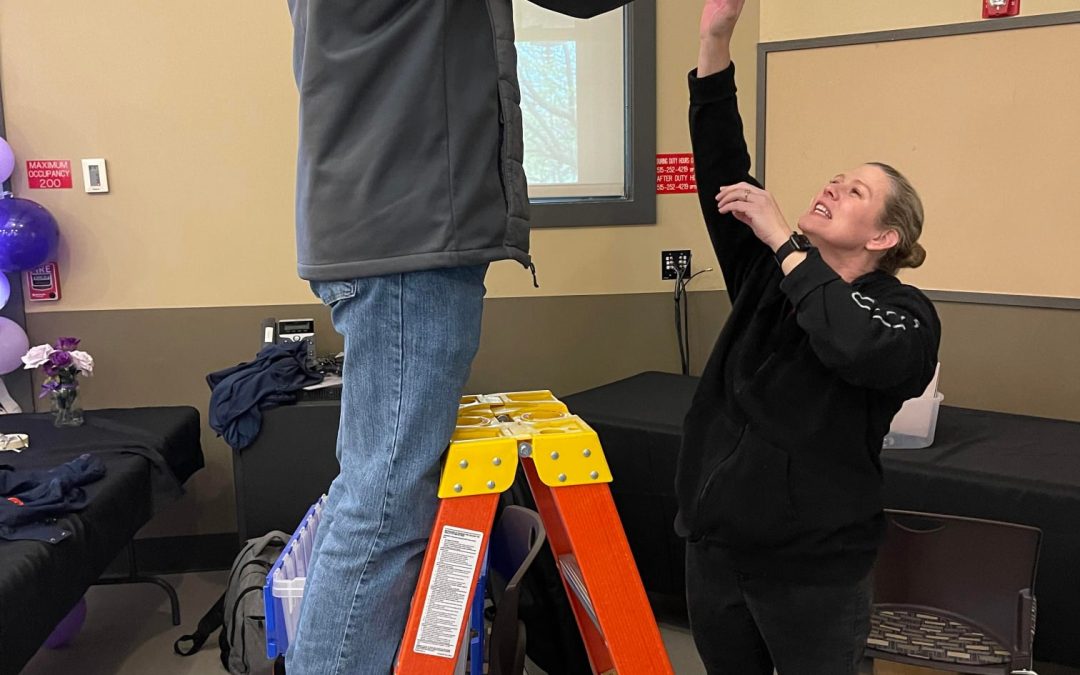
[289,330]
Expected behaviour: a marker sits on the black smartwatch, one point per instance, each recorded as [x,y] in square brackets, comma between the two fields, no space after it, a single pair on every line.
[797,242]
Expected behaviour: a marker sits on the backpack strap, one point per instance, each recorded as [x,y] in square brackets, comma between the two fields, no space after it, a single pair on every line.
[211,621]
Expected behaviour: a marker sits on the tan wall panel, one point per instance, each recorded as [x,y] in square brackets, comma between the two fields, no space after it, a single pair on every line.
[194,108]
[795,19]
[994,157]
[1011,359]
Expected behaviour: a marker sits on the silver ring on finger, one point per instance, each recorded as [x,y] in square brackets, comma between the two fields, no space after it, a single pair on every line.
[746,195]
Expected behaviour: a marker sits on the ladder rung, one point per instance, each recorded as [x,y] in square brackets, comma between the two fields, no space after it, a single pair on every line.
[572,572]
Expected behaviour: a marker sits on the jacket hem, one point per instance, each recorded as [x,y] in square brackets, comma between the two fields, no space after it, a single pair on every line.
[841,568]
[418,262]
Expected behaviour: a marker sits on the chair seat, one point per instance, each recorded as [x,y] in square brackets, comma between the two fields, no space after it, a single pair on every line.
[925,635]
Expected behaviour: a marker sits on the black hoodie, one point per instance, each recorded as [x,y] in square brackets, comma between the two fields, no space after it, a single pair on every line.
[780,460]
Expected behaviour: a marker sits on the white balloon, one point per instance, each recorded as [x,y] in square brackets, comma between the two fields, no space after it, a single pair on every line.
[5,290]
[13,345]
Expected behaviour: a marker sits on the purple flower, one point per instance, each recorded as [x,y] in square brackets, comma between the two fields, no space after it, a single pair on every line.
[60,359]
[49,387]
[67,344]
[51,369]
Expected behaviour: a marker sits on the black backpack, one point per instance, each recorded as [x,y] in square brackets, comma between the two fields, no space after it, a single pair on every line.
[239,612]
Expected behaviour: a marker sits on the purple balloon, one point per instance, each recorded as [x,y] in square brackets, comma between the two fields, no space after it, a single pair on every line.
[7,160]
[28,234]
[68,627]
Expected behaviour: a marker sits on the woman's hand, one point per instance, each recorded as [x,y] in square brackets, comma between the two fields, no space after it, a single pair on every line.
[758,209]
[718,19]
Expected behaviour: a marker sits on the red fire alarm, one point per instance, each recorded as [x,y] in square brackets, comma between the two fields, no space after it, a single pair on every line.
[44,282]
[995,9]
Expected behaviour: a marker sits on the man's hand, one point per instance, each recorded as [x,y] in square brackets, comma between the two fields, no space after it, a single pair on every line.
[758,209]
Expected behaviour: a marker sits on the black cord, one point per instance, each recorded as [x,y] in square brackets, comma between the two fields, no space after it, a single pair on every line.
[686,325]
[684,334]
[684,360]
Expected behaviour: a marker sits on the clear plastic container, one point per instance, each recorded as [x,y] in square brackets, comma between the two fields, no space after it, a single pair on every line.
[284,588]
[914,426]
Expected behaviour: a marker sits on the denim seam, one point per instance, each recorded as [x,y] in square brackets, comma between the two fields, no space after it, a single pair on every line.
[338,662]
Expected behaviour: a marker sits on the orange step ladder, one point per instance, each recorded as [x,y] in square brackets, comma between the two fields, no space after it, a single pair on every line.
[569,477]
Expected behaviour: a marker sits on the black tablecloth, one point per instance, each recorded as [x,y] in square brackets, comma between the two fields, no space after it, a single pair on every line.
[982,464]
[148,454]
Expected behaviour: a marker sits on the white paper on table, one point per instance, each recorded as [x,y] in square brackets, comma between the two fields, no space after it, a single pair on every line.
[328,381]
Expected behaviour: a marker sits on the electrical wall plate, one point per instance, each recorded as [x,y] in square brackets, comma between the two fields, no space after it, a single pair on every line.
[671,261]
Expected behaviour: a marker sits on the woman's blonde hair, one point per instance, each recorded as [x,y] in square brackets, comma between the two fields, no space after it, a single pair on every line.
[904,213]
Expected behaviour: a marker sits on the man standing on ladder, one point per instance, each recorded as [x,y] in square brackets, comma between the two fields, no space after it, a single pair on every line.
[409,183]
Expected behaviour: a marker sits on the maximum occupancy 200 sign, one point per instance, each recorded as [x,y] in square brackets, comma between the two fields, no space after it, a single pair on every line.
[48,174]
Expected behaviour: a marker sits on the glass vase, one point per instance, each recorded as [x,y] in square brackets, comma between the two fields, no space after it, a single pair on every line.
[65,406]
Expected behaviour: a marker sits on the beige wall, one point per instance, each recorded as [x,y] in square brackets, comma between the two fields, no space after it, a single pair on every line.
[796,19]
[197,121]
[194,108]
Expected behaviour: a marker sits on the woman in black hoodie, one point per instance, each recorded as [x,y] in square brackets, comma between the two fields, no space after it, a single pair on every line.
[779,477]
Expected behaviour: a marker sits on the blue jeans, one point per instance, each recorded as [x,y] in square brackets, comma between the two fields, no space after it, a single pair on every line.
[409,342]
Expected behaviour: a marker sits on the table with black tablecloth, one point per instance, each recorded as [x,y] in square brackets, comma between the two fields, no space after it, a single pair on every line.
[148,454]
[982,464]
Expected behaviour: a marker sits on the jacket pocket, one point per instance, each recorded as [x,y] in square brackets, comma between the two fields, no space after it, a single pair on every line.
[333,292]
[746,500]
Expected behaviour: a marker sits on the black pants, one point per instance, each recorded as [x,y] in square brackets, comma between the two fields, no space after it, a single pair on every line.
[747,626]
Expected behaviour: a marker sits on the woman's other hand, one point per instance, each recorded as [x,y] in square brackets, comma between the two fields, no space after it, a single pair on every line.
[758,209]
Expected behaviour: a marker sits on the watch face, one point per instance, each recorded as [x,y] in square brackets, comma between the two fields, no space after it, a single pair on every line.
[801,242]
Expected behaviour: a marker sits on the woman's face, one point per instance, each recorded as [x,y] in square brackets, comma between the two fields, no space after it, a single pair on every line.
[844,215]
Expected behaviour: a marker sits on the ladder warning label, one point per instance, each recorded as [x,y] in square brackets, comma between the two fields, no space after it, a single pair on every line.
[448,591]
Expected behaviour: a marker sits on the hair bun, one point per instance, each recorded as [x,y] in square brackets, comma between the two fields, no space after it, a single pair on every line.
[916,256]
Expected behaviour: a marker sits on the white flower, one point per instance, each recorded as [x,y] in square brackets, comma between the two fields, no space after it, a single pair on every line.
[84,362]
[37,356]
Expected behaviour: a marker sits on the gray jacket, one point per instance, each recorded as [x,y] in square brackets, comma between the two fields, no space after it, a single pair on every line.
[411,146]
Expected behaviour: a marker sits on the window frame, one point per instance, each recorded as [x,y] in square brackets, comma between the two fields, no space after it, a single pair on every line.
[638,205]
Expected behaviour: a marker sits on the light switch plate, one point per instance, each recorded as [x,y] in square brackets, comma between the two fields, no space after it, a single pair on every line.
[95,179]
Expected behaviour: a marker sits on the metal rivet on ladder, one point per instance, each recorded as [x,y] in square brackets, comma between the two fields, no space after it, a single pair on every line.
[497,461]
[587,453]
[594,475]
[464,464]
[457,488]
[562,477]
[524,449]
[554,455]
[491,485]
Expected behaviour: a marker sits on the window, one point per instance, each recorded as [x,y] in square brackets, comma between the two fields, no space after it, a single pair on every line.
[588,107]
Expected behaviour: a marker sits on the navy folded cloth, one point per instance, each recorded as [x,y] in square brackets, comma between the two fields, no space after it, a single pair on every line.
[240,394]
[31,499]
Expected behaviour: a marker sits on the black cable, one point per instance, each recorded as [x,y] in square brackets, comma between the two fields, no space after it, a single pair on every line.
[684,361]
[686,325]
[686,317]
